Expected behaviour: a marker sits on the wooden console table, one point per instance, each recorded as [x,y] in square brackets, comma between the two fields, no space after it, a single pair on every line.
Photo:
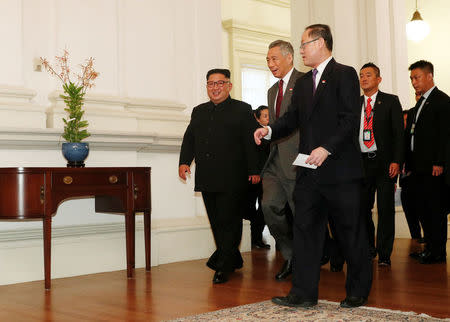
[35,193]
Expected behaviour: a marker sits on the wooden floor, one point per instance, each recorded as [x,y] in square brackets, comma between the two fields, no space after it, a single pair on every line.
[181,289]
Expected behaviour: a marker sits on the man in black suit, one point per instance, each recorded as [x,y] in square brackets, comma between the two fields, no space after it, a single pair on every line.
[381,141]
[425,141]
[219,138]
[325,108]
[278,173]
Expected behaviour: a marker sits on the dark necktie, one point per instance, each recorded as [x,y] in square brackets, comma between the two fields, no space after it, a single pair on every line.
[314,73]
[414,121]
[417,108]
[279,98]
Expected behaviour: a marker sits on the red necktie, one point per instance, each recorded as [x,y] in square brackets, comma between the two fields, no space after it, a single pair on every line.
[279,98]
[368,123]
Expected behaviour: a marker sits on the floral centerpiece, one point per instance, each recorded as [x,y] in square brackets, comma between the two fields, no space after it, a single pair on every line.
[75,127]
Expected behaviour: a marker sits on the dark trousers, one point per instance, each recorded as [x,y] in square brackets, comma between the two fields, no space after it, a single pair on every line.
[254,214]
[428,195]
[342,203]
[412,217]
[377,180]
[225,216]
[331,248]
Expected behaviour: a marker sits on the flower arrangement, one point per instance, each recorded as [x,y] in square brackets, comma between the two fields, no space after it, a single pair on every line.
[74,127]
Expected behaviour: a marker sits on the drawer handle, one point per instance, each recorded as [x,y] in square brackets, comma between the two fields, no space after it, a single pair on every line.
[67,179]
[136,190]
[42,195]
[113,179]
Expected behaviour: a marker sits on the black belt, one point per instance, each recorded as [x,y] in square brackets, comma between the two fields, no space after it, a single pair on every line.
[370,155]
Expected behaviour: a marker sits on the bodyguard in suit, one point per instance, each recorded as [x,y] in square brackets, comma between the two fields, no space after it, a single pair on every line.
[279,173]
[381,140]
[219,138]
[325,108]
[426,141]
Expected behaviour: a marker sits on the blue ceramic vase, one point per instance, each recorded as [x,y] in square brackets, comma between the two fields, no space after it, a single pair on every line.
[75,153]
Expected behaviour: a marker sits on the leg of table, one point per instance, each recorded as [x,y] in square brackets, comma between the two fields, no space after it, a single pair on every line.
[47,250]
[133,239]
[128,236]
[147,239]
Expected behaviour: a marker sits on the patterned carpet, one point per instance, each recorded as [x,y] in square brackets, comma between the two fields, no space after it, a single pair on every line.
[324,311]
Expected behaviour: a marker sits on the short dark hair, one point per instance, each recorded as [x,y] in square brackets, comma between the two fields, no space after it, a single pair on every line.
[285,47]
[223,71]
[426,66]
[258,111]
[320,30]
[372,65]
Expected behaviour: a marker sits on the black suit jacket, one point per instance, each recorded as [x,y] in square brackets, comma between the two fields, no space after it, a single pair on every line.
[430,134]
[388,128]
[330,119]
[220,139]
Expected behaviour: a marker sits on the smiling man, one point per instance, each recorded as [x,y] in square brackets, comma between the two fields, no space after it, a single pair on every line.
[219,138]
[279,173]
[325,108]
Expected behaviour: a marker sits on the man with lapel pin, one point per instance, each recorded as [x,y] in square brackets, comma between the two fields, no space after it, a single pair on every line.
[325,108]
[426,140]
[382,145]
[279,173]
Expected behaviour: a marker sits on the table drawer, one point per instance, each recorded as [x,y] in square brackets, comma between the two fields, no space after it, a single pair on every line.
[89,179]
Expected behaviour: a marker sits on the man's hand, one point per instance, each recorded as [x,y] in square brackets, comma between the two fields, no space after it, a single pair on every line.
[437,170]
[254,179]
[182,171]
[317,156]
[259,134]
[394,169]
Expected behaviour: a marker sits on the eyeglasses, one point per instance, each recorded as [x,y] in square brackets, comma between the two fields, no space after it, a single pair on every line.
[220,83]
[302,46]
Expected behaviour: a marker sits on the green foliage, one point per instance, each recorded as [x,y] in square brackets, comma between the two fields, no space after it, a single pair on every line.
[74,127]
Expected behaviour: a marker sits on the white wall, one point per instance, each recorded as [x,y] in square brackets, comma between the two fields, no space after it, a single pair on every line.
[436,46]
[152,57]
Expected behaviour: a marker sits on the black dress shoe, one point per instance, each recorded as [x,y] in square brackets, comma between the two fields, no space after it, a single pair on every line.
[220,277]
[285,271]
[419,255]
[336,268]
[260,245]
[384,262]
[293,301]
[353,301]
[325,259]
[431,259]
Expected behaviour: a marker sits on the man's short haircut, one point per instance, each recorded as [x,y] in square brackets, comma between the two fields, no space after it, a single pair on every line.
[372,65]
[285,47]
[424,65]
[223,71]
[320,30]
[259,110]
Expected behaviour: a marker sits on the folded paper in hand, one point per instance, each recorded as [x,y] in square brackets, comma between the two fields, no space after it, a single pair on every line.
[300,161]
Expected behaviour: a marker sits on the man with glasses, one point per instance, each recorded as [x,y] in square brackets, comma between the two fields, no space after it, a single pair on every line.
[219,138]
[325,108]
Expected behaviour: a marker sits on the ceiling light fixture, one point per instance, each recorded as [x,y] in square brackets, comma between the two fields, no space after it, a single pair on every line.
[417,29]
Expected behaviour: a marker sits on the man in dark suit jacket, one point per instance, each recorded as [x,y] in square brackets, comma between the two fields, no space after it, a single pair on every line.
[325,108]
[426,141]
[219,138]
[279,174]
[381,140]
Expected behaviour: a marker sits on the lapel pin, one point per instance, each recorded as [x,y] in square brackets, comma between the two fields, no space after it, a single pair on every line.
[290,89]
[379,102]
[324,81]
